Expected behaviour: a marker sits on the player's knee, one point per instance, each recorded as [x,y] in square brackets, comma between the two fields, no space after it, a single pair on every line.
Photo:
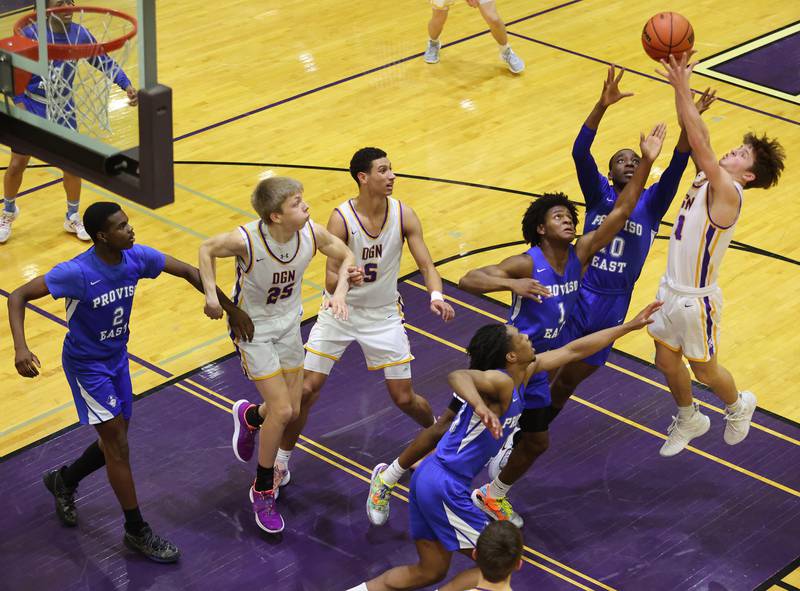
[283,414]
[493,20]
[667,364]
[405,400]
[116,449]
[310,393]
[704,373]
[17,165]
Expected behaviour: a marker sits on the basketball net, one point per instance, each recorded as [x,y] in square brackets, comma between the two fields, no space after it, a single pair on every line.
[77,88]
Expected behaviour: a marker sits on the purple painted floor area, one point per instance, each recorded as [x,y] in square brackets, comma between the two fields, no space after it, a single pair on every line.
[601,501]
[769,66]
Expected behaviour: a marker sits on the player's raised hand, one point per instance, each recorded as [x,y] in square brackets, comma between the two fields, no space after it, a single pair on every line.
[337,305]
[133,96]
[530,288]
[651,144]
[611,92]
[706,100]
[489,420]
[355,275]
[678,71]
[27,363]
[642,319]
[241,325]
[443,309]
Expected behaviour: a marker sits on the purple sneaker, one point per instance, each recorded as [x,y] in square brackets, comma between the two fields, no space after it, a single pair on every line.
[244,436]
[267,516]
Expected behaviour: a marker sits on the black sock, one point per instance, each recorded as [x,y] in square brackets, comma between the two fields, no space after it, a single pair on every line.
[264,478]
[252,417]
[133,521]
[92,459]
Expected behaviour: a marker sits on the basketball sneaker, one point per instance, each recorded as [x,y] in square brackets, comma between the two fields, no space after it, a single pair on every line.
[152,546]
[379,496]
[281,477]
[682,431]
[497,509]
[5,223]
[244,436]
[74,225]
[499,461]
[267,516]
[65,497]
[432,52]
[512,60]
[737,424]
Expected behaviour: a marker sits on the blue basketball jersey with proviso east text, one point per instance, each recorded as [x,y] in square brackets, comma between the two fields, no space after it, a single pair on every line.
[543,321]
[467,446]
[99,298]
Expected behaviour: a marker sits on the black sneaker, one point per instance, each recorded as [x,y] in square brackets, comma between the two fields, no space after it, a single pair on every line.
[65,497]
[152,546]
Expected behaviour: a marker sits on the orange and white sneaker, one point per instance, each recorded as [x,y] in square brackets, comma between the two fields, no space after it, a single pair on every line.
[498,509]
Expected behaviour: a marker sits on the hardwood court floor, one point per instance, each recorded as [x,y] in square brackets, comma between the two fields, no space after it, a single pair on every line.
[305,84]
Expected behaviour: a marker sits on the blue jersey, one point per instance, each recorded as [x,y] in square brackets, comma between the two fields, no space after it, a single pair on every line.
[99,298]
[467,446]
[64,69]
[543,321]
[615,268]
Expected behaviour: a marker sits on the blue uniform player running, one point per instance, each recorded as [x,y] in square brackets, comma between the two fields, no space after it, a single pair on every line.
[544,281]
[442,514]
[98,287]
[60,30]
[607,286]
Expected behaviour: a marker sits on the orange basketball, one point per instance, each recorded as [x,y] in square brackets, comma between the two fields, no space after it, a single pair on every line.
[667,33]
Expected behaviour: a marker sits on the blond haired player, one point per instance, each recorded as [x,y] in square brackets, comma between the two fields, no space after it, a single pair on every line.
[374,225]
[271,255]
[688,324]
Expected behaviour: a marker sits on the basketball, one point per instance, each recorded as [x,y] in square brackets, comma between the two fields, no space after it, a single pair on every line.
[667,33]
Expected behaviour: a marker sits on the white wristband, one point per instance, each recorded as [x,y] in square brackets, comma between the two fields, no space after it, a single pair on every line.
[436,296]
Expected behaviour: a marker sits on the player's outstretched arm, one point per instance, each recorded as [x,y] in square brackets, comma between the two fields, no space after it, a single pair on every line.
[726,203]
[590,243]
[422,256]
[514,274]
[338,255]
[25,361]
[482,390]
[590,344]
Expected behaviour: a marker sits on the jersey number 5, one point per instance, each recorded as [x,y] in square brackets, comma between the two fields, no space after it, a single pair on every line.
[370,272]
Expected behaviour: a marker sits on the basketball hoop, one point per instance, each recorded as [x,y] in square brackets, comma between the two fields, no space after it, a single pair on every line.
[81,69]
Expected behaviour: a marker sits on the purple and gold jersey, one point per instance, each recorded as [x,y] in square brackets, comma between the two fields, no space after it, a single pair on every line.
[543,321]
[615,268]
[467,446]
[99,298]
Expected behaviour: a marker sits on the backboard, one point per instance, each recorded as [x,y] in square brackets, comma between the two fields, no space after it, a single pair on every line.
[67,74]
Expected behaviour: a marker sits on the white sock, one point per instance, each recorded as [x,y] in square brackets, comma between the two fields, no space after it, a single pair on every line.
[504,47]
[283,456]
[435,41]
[393,473]
[498,489]
[685,412]
[732,408]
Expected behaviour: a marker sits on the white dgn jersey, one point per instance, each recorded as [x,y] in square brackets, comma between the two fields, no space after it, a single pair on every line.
[378,255]
[697,245]
[268,284]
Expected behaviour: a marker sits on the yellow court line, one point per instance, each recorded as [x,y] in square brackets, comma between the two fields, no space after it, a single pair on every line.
[627,421]
[628,372]
[402,497]
[204,389]
[434,337]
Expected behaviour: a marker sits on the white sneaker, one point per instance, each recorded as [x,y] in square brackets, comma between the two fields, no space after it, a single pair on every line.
[681,432]
[74,225]
[5,224]
[512,60]
[499,461]
[737,424]
[432,52]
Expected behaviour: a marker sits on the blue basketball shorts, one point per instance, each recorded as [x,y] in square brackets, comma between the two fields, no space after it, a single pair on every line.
[440,508]
[592,312]
[101,389]
[537,391]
